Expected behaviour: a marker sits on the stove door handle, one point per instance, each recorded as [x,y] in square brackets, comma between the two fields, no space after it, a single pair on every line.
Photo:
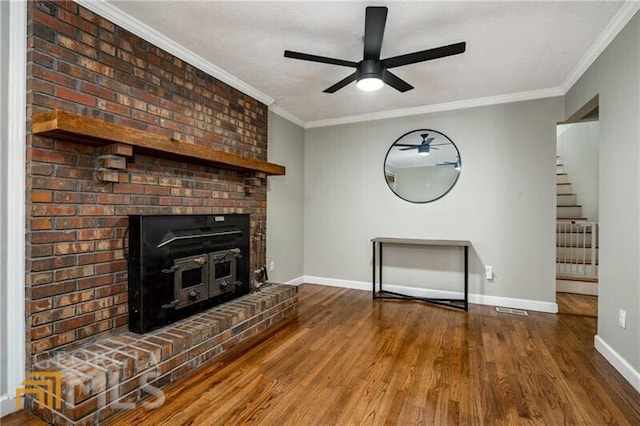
[171,305]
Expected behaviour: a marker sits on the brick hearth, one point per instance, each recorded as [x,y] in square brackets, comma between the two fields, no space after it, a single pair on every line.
[102,378]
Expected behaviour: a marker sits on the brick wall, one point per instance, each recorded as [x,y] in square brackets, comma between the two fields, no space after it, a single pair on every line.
[79,62]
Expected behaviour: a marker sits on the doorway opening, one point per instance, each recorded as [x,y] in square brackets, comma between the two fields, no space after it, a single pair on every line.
[577,221]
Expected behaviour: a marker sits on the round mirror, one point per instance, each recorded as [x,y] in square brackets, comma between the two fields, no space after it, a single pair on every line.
[422,166]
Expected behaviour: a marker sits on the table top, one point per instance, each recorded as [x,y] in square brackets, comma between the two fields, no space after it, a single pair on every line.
[422,242]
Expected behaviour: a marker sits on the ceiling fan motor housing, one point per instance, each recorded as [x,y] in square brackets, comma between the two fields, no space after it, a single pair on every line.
[370,68]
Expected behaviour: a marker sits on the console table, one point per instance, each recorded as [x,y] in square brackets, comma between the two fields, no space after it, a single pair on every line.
[379,242]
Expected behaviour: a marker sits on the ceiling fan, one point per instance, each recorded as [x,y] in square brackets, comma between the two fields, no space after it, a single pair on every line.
[455,164]
[424,147]
[372,72]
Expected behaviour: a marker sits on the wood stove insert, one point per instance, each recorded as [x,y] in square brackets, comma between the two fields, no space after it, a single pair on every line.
[181,265]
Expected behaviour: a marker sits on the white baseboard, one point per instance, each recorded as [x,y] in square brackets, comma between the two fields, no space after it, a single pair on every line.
[7,405]
[296,281]
[627,371]
[510,302]
[423,292]
[336,282]
[479,299]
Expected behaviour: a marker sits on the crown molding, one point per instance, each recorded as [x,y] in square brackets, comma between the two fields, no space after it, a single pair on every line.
[117,16]
[286,115]
[620,19]
[447,106]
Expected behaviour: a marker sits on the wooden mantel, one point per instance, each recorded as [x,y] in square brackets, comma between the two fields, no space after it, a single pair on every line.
[76,128]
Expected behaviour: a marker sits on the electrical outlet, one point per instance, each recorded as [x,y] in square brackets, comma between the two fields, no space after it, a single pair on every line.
[488,272]
[272,265]
[622,318]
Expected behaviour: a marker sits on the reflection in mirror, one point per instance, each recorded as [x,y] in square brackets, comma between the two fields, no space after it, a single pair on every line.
[422,166]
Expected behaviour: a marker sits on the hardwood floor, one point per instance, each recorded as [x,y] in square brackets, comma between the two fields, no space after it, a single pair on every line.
[577,304]
[346,359]
[21,418]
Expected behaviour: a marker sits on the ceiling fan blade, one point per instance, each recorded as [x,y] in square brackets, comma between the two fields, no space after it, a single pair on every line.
[375,20]
[407,149]
[339,85]
[396,82]
[425,55]
[404,144]
[316,58]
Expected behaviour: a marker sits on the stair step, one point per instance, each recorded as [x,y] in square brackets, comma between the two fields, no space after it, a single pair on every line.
[559,168]
[566,199]
[562,178]
[576,269]
[570,277]
[577,286]
[563,188]
[565,212]
[574,262]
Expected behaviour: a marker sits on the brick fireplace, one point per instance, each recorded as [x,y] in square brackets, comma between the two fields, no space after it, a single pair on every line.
[120,129]
[78,62]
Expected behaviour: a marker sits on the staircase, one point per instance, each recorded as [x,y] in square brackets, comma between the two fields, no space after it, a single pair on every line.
[576,241]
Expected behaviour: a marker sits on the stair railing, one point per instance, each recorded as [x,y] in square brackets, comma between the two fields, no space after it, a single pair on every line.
[577,248]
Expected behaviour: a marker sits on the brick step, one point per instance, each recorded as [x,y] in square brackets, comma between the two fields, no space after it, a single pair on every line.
[101,378]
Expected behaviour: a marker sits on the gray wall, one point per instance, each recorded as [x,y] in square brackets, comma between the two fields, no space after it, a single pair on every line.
[615,76]
[578,151]
[504,200]
[285,200]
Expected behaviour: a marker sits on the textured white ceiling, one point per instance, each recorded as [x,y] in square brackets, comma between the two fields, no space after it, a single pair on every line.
[512,47]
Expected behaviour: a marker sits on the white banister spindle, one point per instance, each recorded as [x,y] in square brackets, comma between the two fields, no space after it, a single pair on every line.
[577,248]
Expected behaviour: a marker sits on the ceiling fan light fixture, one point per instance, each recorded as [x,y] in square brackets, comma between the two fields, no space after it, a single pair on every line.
[370,75]
[369,84]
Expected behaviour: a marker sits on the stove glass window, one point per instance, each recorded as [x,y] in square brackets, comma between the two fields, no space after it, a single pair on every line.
[223,269]
[192,277]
